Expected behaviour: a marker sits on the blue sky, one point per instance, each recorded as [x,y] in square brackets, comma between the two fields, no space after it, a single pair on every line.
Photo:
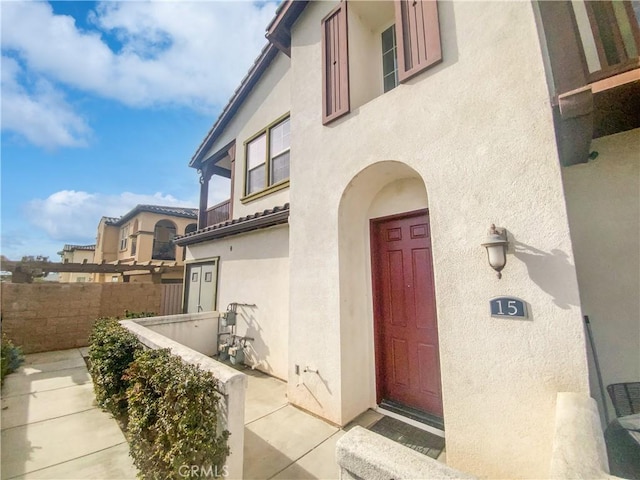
[103,105]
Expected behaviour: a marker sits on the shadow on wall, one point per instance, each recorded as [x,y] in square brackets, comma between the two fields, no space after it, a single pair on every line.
[548,270]
[256,350]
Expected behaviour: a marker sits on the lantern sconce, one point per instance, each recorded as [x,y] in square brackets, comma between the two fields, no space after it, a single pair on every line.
[496,245]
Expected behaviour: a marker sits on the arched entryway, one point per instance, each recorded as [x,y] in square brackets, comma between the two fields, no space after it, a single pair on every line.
[389,347]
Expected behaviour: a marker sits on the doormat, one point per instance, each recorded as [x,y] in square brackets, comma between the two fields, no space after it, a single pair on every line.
[409,436]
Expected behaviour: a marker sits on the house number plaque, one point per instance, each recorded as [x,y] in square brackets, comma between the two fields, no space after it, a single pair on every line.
[508,307]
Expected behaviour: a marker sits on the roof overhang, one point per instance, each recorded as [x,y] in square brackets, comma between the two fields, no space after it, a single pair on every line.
[268,218]
[279,30]
[279,36]
[256,71]
[212,160]
[158,210]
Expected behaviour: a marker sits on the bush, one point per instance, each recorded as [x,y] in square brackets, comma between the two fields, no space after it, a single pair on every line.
[11,358]
[111,351]
[128,314]
[173,417]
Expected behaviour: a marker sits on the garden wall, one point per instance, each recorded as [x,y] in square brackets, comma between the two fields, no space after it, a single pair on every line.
[42,317]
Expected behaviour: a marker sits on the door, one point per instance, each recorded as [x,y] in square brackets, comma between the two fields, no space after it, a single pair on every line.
[406,331]
[201,287]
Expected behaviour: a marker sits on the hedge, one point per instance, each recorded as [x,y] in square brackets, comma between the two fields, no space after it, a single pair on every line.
[173,416]
[111,351]
[11,358]
[169,407]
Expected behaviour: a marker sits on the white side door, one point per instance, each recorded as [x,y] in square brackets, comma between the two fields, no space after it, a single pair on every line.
[208,285]
[202,281]
[194,273]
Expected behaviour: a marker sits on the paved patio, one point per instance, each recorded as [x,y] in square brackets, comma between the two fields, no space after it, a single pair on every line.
[52,428]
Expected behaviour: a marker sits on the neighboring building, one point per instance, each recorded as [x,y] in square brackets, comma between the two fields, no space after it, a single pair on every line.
[377,142]
[76,254]
[144,234]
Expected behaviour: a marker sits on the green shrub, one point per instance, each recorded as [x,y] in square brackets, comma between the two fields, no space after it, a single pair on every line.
[111,351]
[128,314]
[173,418]
[11,358]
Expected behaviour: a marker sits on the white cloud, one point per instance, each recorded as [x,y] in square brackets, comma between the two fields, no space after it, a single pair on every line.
[185,53]
[68,215]
[42,116]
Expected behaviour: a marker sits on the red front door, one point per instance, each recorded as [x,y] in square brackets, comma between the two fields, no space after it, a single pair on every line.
[406,331]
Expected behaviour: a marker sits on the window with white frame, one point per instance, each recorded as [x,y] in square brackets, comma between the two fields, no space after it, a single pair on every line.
[268,157]
[124,236]
[279,153]
[256,164]
[389,59]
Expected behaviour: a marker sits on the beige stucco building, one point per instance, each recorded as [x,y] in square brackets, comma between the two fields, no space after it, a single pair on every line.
[76,254]
[144,235]
[369,149]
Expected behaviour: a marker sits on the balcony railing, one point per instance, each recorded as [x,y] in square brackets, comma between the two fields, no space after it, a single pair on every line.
[610,36]
[218,213]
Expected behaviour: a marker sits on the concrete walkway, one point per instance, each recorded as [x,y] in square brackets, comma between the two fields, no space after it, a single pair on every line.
[52,428]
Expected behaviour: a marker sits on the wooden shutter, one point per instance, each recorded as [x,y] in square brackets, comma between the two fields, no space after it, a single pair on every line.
[418,36]
[335,64]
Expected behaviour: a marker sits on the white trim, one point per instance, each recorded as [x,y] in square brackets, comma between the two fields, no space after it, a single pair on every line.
[413,423]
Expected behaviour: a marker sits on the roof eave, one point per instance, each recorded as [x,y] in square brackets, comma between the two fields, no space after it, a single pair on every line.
[279,36]
[138,209]
[277,218]
[256,71]
[279,29]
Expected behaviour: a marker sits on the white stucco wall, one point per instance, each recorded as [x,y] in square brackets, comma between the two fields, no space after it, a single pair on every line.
[603,204]
[477,131]
[267,102]
[195,331]
[254,269]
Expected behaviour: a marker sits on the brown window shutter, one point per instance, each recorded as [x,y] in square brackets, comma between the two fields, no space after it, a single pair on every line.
[335,64]
[418,36]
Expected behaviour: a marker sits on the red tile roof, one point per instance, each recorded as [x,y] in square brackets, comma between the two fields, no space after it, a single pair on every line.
[264,219]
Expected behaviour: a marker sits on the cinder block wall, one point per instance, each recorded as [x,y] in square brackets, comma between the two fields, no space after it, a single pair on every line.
[45,317]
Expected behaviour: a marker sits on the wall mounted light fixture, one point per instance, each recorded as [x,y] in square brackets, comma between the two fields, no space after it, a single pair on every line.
[496,245]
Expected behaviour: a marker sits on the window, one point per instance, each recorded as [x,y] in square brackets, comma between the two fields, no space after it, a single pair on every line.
[81,279]
[268,158]
[124,236]
[279,152]
[163,246]
[134,245]
[389,59]
[256,159]
[114,278]
[364,42]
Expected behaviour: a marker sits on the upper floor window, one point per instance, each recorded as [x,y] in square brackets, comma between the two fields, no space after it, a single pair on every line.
[124,237]
[357,66]
[609,35]
[389,59]
[268,157]
[163,246]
